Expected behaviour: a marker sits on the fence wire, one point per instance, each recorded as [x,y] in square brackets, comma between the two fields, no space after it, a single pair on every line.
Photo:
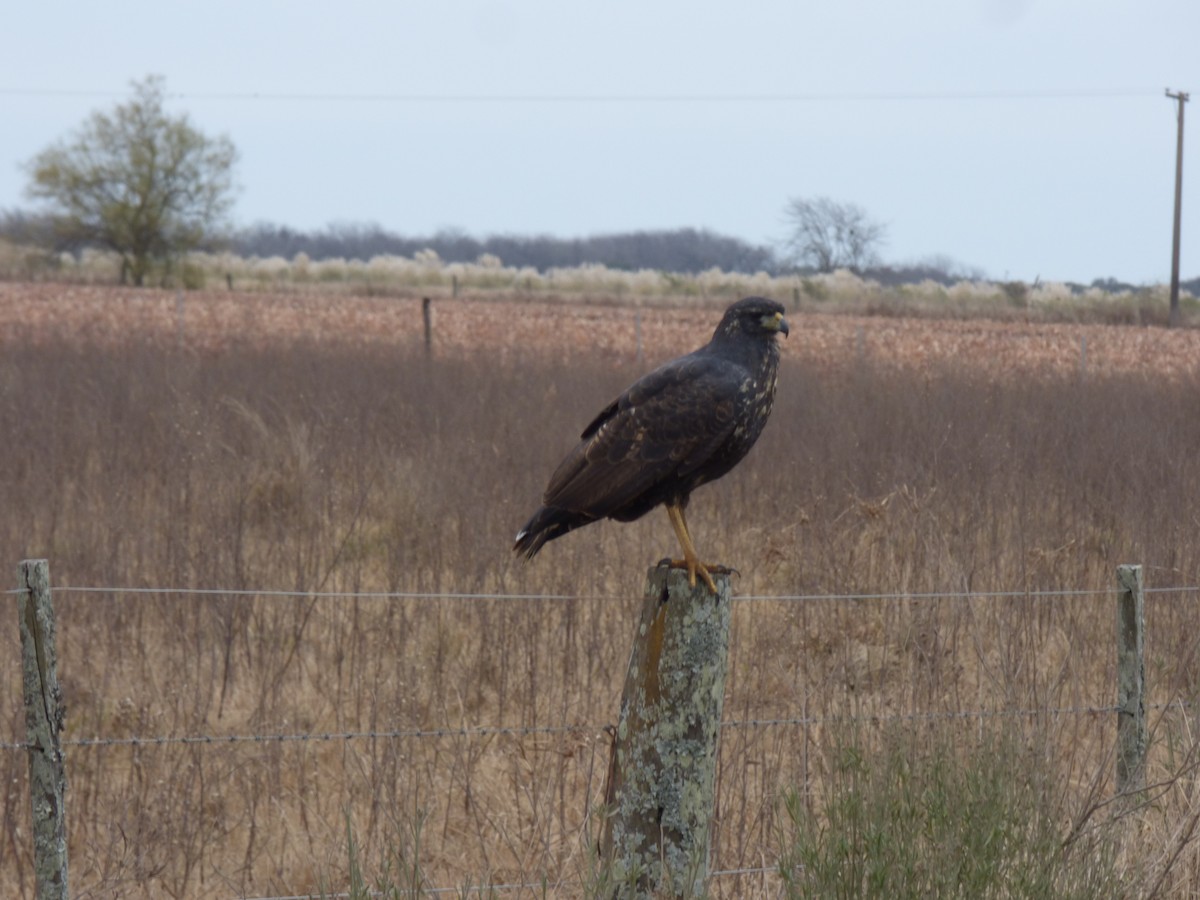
[1050,593]
[526,731]
[566,728]
[477,732]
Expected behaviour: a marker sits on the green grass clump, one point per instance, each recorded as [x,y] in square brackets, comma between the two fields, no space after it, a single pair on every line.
[923,816]
[397,873]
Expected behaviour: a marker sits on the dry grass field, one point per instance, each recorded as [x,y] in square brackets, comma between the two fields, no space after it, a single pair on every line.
[349,499]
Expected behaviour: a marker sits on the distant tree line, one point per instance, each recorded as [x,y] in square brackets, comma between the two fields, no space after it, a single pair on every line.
[33,229]
[686,250]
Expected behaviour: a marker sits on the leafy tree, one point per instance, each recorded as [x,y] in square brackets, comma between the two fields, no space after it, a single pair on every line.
[138,181]
[828,235]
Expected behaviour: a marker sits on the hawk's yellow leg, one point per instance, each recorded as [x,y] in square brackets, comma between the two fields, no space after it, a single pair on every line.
[690,560]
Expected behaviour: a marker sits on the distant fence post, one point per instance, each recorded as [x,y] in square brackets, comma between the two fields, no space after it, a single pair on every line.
[1131,680]
[43,729]
[662,782]
[637,327]
[427,315]
[179,318]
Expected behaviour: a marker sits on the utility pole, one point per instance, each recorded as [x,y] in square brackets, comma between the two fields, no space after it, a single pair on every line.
[1173,320]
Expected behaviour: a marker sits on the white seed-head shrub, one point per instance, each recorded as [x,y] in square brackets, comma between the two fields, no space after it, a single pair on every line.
[332,269]
[224,262]
[270,268]
[712,280]
[846,283]
[762,283]
[964,291]
[1050,292]
[1097,294]
[387,266]
[100,264]
[647,281]
[927,288]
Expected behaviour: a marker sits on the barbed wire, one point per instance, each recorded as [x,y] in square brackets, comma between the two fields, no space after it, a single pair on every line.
[924,716]
[1045,593]
[523,731]
[475,732]
[311,595]
[570,728]
[316,736]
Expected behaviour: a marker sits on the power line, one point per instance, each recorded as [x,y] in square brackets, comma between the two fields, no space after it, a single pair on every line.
[1180,97]
[1105,93]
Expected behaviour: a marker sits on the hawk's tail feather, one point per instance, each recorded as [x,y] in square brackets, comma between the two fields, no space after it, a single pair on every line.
[548,523]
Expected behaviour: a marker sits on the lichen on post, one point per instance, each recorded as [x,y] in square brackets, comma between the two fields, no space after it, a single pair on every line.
[43,728]
[1131,681]
[661,792]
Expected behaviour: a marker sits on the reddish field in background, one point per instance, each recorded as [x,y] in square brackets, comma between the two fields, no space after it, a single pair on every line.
[207,320]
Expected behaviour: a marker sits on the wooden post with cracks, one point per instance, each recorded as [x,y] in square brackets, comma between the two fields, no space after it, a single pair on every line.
[43,729]
[1131,681]
[662,779]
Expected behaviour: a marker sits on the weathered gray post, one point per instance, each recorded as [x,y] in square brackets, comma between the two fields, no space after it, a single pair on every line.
[1131,681]
[43,729]
[661,792]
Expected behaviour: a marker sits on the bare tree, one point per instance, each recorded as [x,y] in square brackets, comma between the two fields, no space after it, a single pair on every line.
[828,235]
[140,182]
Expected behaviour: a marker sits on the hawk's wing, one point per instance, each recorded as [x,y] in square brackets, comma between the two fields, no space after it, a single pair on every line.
[667,424]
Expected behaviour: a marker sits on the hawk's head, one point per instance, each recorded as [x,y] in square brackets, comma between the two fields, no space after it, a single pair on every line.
[753,317]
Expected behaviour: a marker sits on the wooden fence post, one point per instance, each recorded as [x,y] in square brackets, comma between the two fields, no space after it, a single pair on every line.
[427,315]
[637,328]
[662,781]
[1131,681]
[179,319]
[43,729]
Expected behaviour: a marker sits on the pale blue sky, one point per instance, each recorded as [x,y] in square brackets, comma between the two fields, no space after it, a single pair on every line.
[1030,139]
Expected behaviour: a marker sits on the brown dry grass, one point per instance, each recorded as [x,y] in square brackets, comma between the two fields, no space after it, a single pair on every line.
[306,443]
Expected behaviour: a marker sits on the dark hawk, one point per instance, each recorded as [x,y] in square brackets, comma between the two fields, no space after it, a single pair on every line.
[683,425]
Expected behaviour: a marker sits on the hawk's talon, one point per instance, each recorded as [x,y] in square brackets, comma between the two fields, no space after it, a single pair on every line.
[703,569]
